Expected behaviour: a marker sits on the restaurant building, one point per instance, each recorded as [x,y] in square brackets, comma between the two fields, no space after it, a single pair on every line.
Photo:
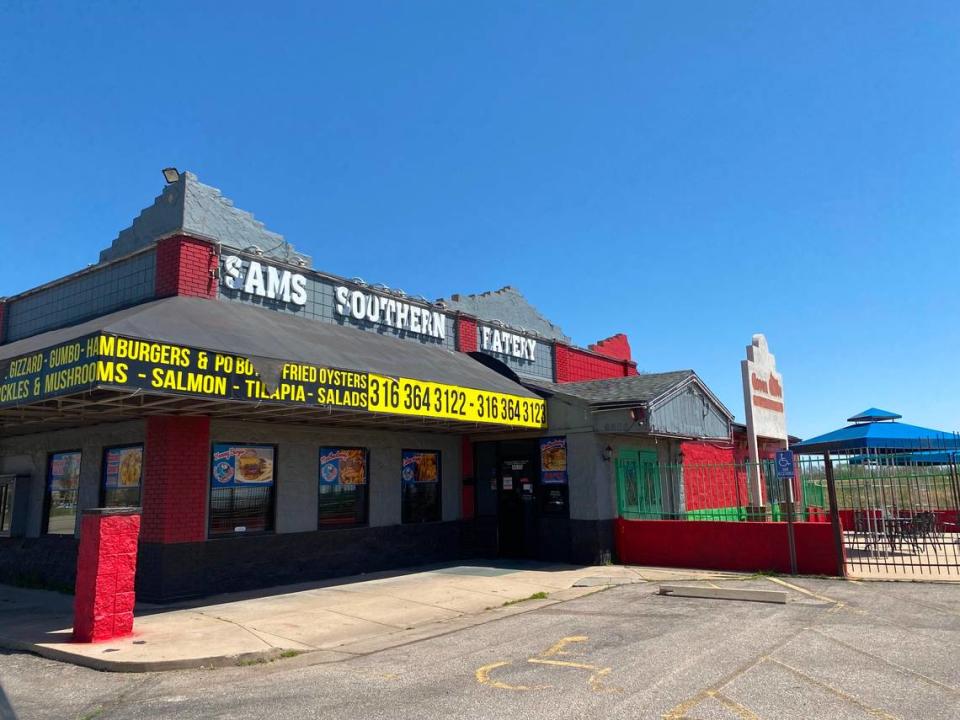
[278,424]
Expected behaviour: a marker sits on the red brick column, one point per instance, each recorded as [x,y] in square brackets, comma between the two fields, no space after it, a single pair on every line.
[106,569]
[186,266]
[466,334]
[175,479]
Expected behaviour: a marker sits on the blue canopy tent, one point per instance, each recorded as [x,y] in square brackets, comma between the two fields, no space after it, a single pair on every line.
[877,431]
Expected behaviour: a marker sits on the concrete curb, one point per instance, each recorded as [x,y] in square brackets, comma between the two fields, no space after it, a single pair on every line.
[140,666]
[317,656]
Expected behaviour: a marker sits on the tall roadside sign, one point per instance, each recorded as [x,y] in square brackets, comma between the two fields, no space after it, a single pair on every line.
[763,407]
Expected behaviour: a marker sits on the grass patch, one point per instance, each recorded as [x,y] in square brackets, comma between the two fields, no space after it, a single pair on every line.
[247,662]
[253,661]
[536,596]
[765,573]
[92,714]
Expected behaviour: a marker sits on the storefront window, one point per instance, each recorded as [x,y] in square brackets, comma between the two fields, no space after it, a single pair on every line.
[242,486]
[122,473]
[63,482]
[420,480]
[343,487]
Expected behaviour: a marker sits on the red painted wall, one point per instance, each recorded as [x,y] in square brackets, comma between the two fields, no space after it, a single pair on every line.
[574,365]
[466,334]
[616,346]
[176,471]
[734,546]
[106,568]
[185,266]
[710,477]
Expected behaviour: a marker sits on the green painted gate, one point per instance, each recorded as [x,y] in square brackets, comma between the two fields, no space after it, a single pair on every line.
[639,495]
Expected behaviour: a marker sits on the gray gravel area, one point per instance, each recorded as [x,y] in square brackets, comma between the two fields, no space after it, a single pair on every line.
[835,650]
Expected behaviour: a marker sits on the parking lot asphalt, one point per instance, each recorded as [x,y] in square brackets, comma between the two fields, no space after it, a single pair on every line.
[835,650]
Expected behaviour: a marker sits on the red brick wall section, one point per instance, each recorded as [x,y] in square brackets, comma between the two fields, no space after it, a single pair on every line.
[466,334]
[176,479]
[106,568]
[574,365]
[711,480]
[616,346]
[185,266]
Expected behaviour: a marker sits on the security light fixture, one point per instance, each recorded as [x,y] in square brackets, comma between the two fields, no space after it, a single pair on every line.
[171,175]
[607,453]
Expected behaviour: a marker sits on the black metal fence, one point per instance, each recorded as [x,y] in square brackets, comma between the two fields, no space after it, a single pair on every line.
[899,511]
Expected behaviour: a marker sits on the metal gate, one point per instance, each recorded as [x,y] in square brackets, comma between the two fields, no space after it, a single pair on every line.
[897,514]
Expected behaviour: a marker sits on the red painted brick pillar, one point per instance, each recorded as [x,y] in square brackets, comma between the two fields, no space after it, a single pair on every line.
[186,266]
[106,569]
[176,467]
[466,334]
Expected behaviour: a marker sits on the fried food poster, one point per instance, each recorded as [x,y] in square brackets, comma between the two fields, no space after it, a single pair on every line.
[553,460]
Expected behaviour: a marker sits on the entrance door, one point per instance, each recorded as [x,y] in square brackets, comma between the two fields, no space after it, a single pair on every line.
[515,512]
[638,485]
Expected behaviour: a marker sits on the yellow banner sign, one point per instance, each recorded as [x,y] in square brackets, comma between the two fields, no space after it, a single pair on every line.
[114,361]
[404,396]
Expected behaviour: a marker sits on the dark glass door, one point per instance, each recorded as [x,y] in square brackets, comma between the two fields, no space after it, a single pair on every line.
[516,507]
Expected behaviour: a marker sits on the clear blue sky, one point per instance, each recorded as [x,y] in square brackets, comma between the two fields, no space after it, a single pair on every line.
[688,173]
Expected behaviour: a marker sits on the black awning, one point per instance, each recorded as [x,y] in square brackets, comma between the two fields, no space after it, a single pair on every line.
[228,352]
[257,333]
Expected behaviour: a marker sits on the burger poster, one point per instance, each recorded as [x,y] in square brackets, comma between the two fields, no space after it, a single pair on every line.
[124,467]
[420,466]
[553,460]
[242,465]
[343,466]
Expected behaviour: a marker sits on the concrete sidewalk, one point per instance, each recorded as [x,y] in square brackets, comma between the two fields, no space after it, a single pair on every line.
[333,620]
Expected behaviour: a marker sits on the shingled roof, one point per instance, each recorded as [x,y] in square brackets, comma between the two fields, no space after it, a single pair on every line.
[642,389]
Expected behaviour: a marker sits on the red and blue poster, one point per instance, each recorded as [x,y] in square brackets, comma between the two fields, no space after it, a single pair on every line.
[242,465]
[420,466]
[343,466]
[124,466]
[553,460]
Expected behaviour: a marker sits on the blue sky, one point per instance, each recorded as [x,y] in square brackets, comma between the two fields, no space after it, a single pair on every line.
[688,173]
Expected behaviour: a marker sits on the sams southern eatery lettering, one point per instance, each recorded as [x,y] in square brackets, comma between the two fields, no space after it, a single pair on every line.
[364,306]
[507,343]
[260,280]
[768,393]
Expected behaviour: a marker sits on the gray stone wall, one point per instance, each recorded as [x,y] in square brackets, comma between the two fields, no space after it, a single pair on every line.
[297,472]
[87,295]
[298,467]
[28,454]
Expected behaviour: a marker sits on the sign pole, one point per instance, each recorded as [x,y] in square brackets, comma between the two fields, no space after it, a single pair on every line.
[785,473]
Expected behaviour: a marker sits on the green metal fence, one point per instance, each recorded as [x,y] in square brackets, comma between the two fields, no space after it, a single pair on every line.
[649,490]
